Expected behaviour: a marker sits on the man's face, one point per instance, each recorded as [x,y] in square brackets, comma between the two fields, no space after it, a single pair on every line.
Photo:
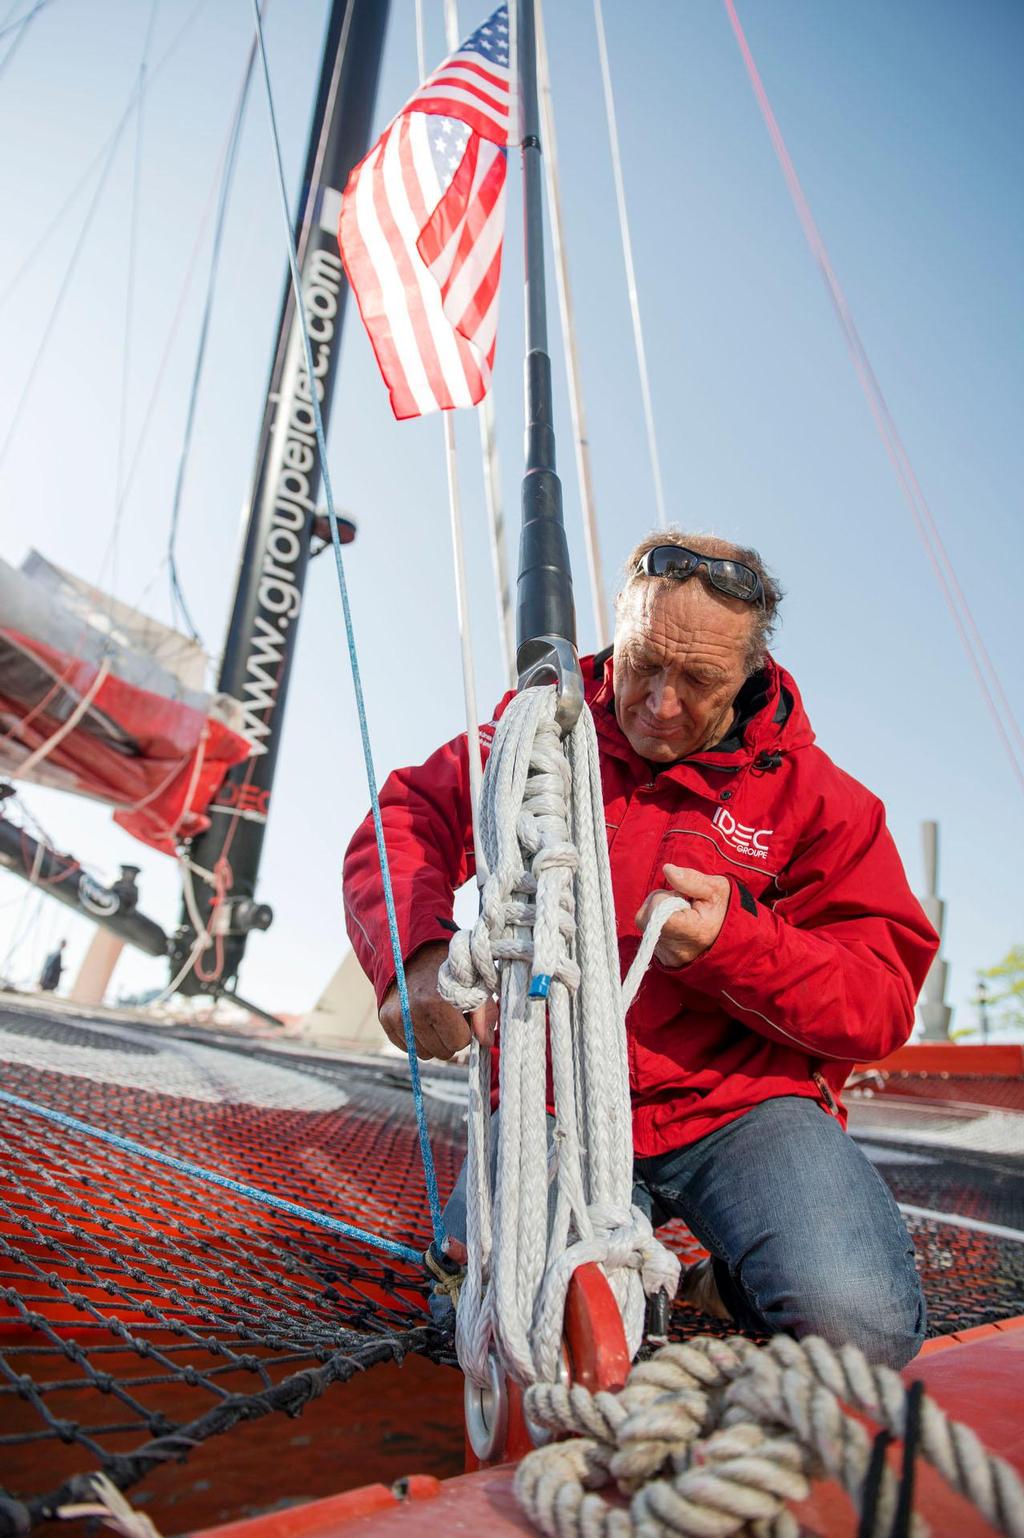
[679,663]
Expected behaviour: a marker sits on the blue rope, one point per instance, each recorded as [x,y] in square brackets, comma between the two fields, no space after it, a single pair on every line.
[429,1172]
[214,1178]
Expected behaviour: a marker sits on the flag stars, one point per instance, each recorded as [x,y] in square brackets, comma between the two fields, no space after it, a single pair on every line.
[491,40]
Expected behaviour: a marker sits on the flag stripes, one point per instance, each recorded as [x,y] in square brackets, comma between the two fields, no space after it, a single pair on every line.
[421,229]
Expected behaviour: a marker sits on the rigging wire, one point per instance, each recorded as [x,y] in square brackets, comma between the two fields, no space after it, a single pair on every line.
[24,926]
[426,1153]
[473,749]
[108,162]
[493,504]
[581,443]
[48,329]
[129,300]
[488,443]
[221,878]
[627,256]
[981,662]
[494,507]
[230,161]
[160,372]
[56,221]
[22,21]
[26,922]
[106,155]
[21,27]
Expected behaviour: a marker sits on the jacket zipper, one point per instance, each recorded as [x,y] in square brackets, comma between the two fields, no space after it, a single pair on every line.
[826,1094]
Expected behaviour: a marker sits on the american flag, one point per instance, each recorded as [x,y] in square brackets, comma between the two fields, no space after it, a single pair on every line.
[421,228]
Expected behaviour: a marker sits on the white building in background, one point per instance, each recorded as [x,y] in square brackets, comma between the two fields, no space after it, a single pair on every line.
[934,1013]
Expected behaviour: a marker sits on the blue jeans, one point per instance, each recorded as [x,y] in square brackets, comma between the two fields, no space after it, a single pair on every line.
[805,1236]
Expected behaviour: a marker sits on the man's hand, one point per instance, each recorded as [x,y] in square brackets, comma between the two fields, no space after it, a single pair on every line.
[692,931]
[438,1027]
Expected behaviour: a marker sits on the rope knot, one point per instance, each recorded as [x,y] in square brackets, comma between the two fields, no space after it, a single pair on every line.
[698,1462]
[626,1239]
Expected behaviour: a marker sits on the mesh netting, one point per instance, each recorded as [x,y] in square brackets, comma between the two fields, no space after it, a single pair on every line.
[969,1089]
[124,1284]
[143,1312]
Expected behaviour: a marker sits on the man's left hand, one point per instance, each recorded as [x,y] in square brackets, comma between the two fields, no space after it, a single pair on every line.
[693,930]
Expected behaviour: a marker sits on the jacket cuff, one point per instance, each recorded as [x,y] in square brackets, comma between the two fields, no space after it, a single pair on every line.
[747,934]
[426,931]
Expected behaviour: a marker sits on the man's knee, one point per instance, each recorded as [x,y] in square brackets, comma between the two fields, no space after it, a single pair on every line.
[863,1291]
[888,1328]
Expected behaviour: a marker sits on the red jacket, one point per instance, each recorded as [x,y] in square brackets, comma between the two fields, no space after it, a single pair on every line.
[823,949]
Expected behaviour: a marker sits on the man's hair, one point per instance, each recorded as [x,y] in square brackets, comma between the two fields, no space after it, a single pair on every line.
[763,615]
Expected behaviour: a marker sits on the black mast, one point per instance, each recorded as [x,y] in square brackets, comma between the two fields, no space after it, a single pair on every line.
[282,508]
[546,614]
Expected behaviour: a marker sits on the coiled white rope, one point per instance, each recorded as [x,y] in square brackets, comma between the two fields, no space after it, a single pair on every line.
[712,1435]
[546,941]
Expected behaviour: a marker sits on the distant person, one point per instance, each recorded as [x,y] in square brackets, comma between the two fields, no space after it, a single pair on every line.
[802,952]
[53,966]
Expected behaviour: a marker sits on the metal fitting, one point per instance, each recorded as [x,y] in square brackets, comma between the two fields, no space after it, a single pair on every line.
[487,1412]
[551,659]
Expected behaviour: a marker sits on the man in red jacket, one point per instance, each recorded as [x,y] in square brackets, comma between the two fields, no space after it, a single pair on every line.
[802,952]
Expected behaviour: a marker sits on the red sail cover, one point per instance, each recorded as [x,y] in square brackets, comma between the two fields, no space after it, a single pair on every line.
[75,722]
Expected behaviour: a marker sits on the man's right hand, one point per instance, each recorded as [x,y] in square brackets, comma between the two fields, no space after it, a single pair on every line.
[439,1028]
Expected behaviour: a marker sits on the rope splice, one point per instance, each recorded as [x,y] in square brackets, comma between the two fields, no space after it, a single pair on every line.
[546,940]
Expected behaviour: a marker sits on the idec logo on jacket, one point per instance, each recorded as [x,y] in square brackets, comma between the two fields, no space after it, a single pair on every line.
[752,842]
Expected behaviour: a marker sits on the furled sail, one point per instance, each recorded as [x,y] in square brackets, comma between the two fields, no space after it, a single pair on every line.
[99,699]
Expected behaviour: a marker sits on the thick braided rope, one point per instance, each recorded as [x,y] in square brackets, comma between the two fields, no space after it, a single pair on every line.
[711,1435]
[954,1449]
[546,941]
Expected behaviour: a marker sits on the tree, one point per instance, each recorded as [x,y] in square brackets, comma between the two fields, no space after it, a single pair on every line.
[1008,975]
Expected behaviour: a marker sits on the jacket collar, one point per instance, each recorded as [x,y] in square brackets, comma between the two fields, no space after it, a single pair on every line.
[770,719]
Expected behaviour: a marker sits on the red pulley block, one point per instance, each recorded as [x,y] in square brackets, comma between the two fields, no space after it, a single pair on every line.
[595,1354]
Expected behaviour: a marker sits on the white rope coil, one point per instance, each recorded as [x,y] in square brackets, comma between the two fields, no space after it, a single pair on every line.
[546,941]
[712,1435]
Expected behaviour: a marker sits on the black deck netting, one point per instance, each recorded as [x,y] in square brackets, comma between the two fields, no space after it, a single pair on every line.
[143,1310]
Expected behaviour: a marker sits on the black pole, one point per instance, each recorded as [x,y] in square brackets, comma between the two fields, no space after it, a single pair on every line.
[546,615]
[260,643]
[61,876]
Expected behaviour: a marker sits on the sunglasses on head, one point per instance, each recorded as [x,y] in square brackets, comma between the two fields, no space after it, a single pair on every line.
[730,577]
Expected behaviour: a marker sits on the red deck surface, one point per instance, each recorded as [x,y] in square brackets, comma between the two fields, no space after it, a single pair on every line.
[976,1380]
[219,1295]
[1003,1061]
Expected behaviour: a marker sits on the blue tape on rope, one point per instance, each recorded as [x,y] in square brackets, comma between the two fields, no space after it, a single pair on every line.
[214,1178]
[429,1172]
[540,986]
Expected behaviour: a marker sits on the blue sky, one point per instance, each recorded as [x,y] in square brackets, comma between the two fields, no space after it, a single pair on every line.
[905,124]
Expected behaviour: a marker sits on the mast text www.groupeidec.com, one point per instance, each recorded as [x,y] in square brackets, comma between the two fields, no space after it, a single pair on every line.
[294,498]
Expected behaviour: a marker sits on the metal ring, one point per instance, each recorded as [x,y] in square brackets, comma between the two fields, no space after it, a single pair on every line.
[487,1412]
[540,1435]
